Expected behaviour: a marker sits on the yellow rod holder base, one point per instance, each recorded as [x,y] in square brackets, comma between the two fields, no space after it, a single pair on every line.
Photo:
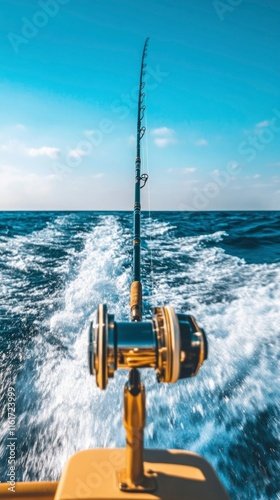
[133,478]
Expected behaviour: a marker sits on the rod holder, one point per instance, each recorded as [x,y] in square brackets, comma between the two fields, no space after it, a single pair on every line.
[133,477]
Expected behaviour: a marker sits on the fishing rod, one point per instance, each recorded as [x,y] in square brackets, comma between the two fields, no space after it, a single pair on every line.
[175,347]
[136,287]
[172,344]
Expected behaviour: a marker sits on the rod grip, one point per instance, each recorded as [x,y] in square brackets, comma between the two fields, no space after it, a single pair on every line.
[136,301]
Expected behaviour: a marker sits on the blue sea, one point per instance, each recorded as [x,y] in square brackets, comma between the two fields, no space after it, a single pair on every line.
[222,267]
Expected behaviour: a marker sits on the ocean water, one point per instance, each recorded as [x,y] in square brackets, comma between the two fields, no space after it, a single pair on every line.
[222,267]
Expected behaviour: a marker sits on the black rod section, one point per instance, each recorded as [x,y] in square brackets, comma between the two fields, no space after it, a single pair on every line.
[136,289]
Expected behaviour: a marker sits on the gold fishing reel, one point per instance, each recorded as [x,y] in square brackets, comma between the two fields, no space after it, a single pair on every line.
[171,343]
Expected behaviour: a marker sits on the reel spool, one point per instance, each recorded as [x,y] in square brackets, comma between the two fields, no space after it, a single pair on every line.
[171,343]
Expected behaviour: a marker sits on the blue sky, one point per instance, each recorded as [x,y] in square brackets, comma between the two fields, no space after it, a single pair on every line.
[70,69]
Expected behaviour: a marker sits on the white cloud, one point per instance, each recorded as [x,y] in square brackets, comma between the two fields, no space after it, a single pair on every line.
[161,142]
[77,153]
[216,171]
[262,185]
[234,166]
[257,128]
[189,170]
[250,177]
[165,131]
[98,176]
[19,190]
[12,146]
[20,126]
[132,139]
[43,151]
[6,171]
[262,124]
[164,136]
[201,142]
